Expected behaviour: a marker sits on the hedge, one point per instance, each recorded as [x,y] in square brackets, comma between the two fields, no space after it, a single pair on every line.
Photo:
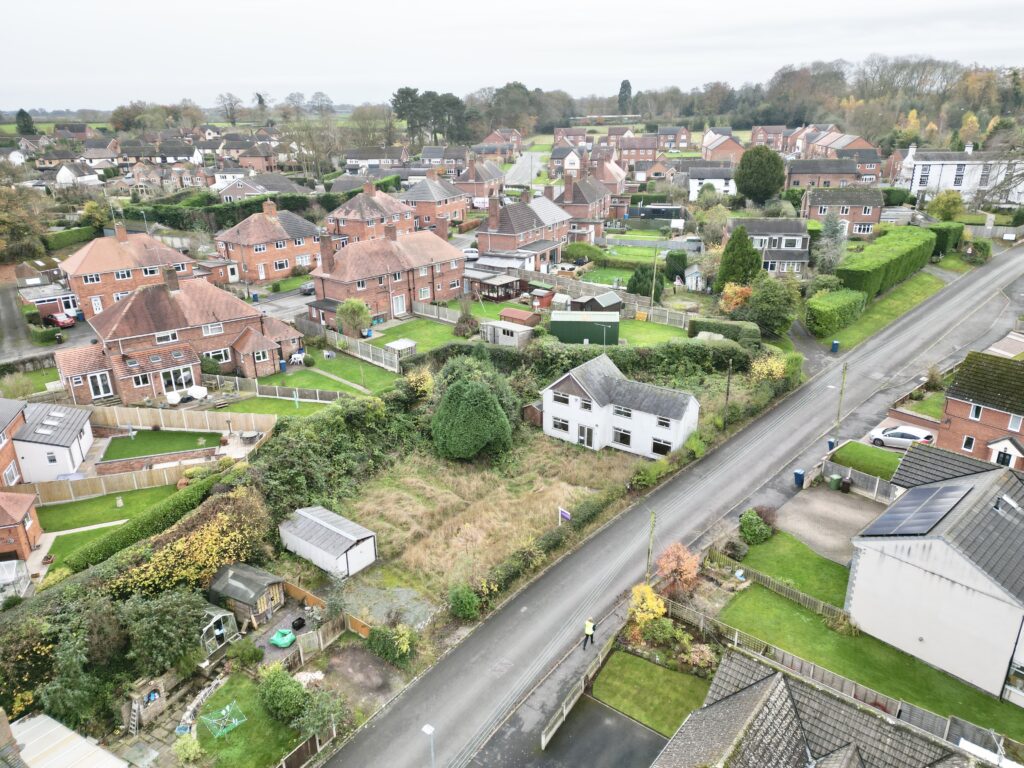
[639,198]
[895,196]
[744,332]
[155,520]
[586,251]
[813,231]
[892,258]
[829,311]
[54,241]
[41,334]
[981,251]
[947,236]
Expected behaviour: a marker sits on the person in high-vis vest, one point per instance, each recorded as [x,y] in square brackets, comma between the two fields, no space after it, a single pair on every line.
[588,631]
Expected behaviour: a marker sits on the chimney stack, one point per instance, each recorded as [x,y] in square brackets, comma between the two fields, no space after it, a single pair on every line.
[369,188]
[391,232]
[471,167]
[120,232]
[269,208]
[442,229]
[570,183]
[526,195]
[171,279]
[969,147]
[432,172]
[549,192]
[493,209]
[326,254]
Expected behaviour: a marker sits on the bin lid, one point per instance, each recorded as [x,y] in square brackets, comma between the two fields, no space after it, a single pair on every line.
[835,477]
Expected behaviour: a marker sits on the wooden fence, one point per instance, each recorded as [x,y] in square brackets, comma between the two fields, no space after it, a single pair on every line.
[58,491]
[716,557]
[240,384]
[207,421]
[383,358]
[659,315]
[577,690]
[435,312]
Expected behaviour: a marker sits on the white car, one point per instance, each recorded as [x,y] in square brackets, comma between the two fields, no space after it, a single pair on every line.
[471,251]
[900,436]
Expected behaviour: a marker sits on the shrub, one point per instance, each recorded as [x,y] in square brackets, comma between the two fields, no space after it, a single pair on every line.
[702,657]
[739,331]
[649,474]
[245,653]
[469,421]
[768,515]
[281,695]
[679,567]
[934,382]
[734,297]
[979,251]
[592,506]
[894,196]
[54,241]
[42,335]
[32,317]
[736,548]
[1017,220]
[695,446]
[209,366]
[754,530]
[187,749]
[575,251]
[11,601]
[889,260]
[396,645]
[829,311]
[659,632]
[309,361]
[821,283]
[463,602]
[947,236]
[645,606]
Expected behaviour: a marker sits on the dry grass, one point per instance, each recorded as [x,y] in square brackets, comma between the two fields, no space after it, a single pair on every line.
[441,521]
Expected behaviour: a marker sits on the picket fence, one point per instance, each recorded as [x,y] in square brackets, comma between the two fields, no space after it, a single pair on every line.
[382,358]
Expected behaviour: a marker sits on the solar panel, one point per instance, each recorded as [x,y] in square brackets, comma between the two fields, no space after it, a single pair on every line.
[917,511]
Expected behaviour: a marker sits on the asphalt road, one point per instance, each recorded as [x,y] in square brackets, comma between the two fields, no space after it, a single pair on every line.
[470,692]
[526,168]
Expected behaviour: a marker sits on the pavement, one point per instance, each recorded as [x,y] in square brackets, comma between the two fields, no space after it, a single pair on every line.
[470,692]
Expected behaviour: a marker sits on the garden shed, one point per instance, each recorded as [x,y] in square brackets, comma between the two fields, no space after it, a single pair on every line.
[251,593]
[586,327]
[329,541]
[506,334]
[520,316]
[608,301]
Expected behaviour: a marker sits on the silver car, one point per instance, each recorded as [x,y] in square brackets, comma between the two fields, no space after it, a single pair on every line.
[900,436]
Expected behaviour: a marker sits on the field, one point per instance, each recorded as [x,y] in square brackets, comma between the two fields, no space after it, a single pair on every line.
[659,698]
[642,334]
[869,459]
[274,405]
[259,742]
[44,127]
[889,307]
[788,559]
[867,660]
[438,522]
[100,509]
[428,334]
[150,443]
[934,405]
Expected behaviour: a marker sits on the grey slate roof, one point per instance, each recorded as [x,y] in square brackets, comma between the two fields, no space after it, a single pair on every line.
[945,156]
[275,182]
[241,582]
[432,153]
[562,151]
[347,182]
[8,410]
[608,386]
[845,196]
[924,464]
[296,226]
[774,226]
[374,153]
[859,155]
[991,381]
[823,166]
[486,170]
[523,217]
[710,173]
[585,191]
[431,190]
[52,424]
[328,532]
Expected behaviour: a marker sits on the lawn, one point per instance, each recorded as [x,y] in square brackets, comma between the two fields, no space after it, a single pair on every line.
[642,334]
[372,377]
[539,147]
[682,153]
[488,310]
[67,543]
[151,442]
[275,406]
[428,334]
[954,263]
[290,283]
[634,253]
[1001,219]
[933,405]
[607,275]
[657,697]
[259,742]
[788,559]
[642,234]
[308,378]
[100,509]
[868,458]
[867,660]
[891,306]
[782,342]
[41,377]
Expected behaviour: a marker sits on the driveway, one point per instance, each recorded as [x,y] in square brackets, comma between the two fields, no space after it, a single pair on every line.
[284,306]
[826,520]
[525,169]
[472,690]
[14,339]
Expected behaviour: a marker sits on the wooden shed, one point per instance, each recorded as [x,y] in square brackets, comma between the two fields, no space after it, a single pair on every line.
[608,301]
[250,593]
[329,541]
[519,316]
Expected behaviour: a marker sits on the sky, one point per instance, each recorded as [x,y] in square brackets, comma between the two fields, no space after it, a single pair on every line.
[362,52]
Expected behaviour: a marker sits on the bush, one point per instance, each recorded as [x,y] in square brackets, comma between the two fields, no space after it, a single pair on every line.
[209,366]
[281,695]
[151,522]
[11,601]
[736,549]
[934,382]
[575,251]
[54,241]
[893,196]
[245,653]
[469,421]
[659,632]
[979,251]
[830,311]
[42,335]
[649,474]
[890,259]
[754,530]
[1017,220]
[275,287]
[463,602]
[823,283]
[32,317]
[309,361]
[396,645]
[768,515]
[947,236]
[740,331]
[187,749]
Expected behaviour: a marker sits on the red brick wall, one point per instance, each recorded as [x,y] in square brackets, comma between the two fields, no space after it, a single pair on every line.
[24,540]
[116,466]
[809,180]
[259,164]
[108,286]
[728,151]
[359,230]
[249,260]
[992,426]
[428,213]
[7,452]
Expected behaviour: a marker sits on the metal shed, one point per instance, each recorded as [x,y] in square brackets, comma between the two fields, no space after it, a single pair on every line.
[329,541]
[586,327]
[608,301]
[506,334]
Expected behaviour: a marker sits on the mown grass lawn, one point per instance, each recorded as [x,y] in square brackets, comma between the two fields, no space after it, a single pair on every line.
[259,742]
[67,543]
[642,334]
[889,307]
[607,275]
[787,558]
[540,147]
[428,334]
[150,443]
[274,405]
[308,378]
[954,263]
[657,697]
[868,458]
[867,660]
[41,378]
[642,234]
[100,509]
[488,310]
[372,377]
[633,253]
[934,405]
[290,283]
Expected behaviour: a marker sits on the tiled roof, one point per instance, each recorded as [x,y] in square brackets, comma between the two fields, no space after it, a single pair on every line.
[371,258]
[261,228]
[14,507]
[262,183]
[845,196]
[562,151]
[365,206]
[710,173]
[79,361]
[431,190]
[779,226]
[155,359]
[374,153]
[586,191]
[606,384]
[347,182]
[718,141]
[279,330]
[486,170]
[250,341]
[924,464]
[823,166]
[859,155]
[987,380]
[638,142]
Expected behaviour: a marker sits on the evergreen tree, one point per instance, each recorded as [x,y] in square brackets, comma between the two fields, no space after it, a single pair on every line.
[640,282]
[741,261]
[828,251]
[625,97]
[26,126]
[760,174]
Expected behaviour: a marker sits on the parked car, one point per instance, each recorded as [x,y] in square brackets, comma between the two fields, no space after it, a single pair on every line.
[900,436]
[59,320]
[307,288]
[471,251]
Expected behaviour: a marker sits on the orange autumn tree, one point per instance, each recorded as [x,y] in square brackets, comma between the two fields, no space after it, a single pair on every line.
[679,567]
[734,296]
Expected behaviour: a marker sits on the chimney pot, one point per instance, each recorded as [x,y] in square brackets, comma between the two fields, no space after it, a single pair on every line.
[549,191]
[969,147]
[120,232]
[269,208]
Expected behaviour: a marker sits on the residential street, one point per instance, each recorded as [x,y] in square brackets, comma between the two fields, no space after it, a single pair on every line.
[525,169]
[470,692]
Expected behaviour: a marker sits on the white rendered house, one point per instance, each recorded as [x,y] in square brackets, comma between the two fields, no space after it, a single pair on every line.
[52,442]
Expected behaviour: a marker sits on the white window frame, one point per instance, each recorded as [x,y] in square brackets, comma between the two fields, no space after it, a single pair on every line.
[559,425]
[280,245]
[560,398]
[180,267]
[51,458]
[261,355]
[123,274]
[618,434]
[586,404]
[3,438]
[150,271]
[664,422]
[92,279]
[424,271]
[844,210]
[822,210]
[453,284]
[976,412]
[360,285]
[665,443]
[299,241]
[968,444]
[122,295]
[424,293]
[11,474]
[213,329]
[259,248]
[867,210]
[140,380]
[1015,422]
[302,260]
[222,355]
[277,268]
[167,337]
[863,228]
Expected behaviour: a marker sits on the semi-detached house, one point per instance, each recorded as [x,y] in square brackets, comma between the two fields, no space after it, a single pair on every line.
[859,209]
[365,216]
[268,245]
[437,203]
[534,227]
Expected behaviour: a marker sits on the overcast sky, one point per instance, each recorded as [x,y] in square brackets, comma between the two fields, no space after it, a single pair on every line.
[101,53]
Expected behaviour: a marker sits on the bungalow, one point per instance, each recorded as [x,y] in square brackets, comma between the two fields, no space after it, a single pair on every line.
[364,157]
[365,217]
[331,542]
[594,405]
[13,155]
[54,158]
[259,185]
[859,208]
[19,525]
[52,442]
[719,178]
[251,593]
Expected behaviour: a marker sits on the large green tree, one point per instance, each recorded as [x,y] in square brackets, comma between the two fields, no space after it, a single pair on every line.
[772,305]
[640,282]
[25,125]
[625,97]
[162,628]
[353,316]
[947,205]
[760,174]
[469,422]
[675,264]
[741,261]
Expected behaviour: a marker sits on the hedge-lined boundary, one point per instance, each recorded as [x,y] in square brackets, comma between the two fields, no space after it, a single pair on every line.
[740,331]
[830,311]
[891,259]
[947,236]
[54,241]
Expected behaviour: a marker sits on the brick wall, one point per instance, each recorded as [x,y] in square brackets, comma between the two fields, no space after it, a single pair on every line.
[136,463]
[109,285]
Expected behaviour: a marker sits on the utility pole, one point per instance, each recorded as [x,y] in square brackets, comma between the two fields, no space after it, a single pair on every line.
[650,548]
[654,278]
[728,387]
[839,408]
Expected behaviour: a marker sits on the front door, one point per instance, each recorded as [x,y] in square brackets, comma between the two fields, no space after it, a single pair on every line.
[397,306]
[1004,459]
[263,272]
[99,385]
[585,436]
[97,305]
[232,273]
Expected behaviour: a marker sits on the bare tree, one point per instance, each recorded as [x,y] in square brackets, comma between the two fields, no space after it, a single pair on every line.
[321,103]
[366,126]
[230,105]
[261,103]
[293,106]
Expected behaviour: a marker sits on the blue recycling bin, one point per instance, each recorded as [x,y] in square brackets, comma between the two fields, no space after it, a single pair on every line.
[835,346]
[798,478]
[831,444]
[284,366]
[256,300]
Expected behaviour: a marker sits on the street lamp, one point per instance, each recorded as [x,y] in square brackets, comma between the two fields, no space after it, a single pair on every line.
[429,730]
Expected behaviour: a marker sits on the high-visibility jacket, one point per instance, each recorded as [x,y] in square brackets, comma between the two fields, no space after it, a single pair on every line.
[588,628]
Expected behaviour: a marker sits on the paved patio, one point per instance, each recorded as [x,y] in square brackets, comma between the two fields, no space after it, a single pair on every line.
[290,611]
[826,520]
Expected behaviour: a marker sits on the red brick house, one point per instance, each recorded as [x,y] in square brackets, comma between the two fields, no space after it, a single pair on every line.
[505,136]
[108,269]
[536,227]
[618,133]
[572,135]
[268,245]
[482,178]
[364,217]
[437,204]
[388,274]
[798,139]
[859,209]
[589,204]
[868,161]
[806,174]
[673,137]
[261,158]
[827,144]
[12,418]
[633,149]
[722,148]
[151,343]
[19,525]
[772,136]
[566,159]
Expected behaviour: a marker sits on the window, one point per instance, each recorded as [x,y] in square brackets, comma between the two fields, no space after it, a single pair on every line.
[664,422]
[90,279]
[844,210]
[396,276]
[795,183]
[279,245]
[625,413]
[360,285]
[976,412]
[424,293]
[869,166]
[958,176]
[11,475]
[968,443]
[586,404]
[423,271]
[438,286]
[220,355]
[822,209]
[621,436]
[177,378]
[1004,459]
[863,229]
[986,170]
[299,241]
[925,171]
[280,265]
[791,242]
[167,337]
[316,238]
[121,295]
[769,266]
[140,380]
[560,397]
[1015,423]
[179,267]
[261,356]
[843,183]
[453,264]
[123,274]
[51,458]
[867,210]
[150,271]
[826,183]
[3,439]
[380,280]
[661,447]
[453,284]
[76,381]
[213,329]
[259,248]
[302,260]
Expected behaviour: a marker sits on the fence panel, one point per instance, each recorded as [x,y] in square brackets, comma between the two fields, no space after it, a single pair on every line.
[923,719]
[383,358]
[299,756]
[873,487]
[435,312]
[331,631]
[58,491]
[207,421]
